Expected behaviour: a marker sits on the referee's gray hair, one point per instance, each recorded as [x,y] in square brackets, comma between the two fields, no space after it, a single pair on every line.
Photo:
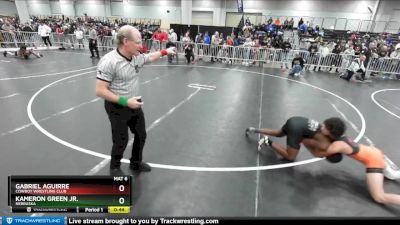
[124,32]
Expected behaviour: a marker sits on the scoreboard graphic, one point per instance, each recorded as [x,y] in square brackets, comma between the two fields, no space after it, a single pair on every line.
[77,194]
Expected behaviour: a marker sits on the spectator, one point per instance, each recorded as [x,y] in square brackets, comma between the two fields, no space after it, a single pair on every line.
[68,32]
[29,38]
[303,28]
[172,39]
[207,42]
[389,40]
[247,51]
[277,22]
[79,37]
[248,21]
[160,36]
[214,45]
[395,55]
[189,53]
[172,36]
[347,57]
[114,33]
[60,36]
[207,39]
[300,22]
[286,47]
[297,65]
[269,20]
[356,66]
[336,58]
[198,38]
[286,24]
[291,24]
[313,56]
[186,39]
[316,30]
[27,27]
[324,55]
[44,31]
[8,27]
[310,30]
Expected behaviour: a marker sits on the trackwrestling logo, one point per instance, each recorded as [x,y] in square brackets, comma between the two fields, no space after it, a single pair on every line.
[26,220]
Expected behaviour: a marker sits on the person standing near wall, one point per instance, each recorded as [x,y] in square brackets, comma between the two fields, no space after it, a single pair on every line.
[214,45]
[79,37]
[206,42]
[44,31]
[172,39]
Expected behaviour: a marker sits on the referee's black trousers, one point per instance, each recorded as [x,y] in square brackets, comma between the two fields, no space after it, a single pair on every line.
[121,119]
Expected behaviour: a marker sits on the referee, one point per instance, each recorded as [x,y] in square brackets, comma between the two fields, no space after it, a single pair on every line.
[93,42]
[118,84]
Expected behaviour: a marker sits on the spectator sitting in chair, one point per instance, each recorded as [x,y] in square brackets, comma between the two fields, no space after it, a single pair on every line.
[297,65]
[356,66]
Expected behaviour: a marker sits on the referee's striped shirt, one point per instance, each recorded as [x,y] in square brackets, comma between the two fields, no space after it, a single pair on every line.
[121,72]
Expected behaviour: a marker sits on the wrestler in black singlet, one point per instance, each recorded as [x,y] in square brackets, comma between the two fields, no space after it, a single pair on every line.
[297,128]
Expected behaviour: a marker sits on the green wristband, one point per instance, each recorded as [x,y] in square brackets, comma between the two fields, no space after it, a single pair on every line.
[123,101]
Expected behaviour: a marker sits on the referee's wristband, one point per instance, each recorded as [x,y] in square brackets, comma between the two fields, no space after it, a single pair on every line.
[123,101]
[164,52]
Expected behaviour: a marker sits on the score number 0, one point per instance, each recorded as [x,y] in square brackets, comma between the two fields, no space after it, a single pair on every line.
[121,200]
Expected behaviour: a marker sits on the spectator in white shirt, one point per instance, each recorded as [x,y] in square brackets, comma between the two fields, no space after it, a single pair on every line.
[356,66]
[396,57]
[8,27]
[186,39]
[172,36]
[44,31]
[247,45]
[79,37]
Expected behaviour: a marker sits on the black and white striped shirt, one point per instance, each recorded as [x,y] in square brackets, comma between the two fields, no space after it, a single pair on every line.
[121,72]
